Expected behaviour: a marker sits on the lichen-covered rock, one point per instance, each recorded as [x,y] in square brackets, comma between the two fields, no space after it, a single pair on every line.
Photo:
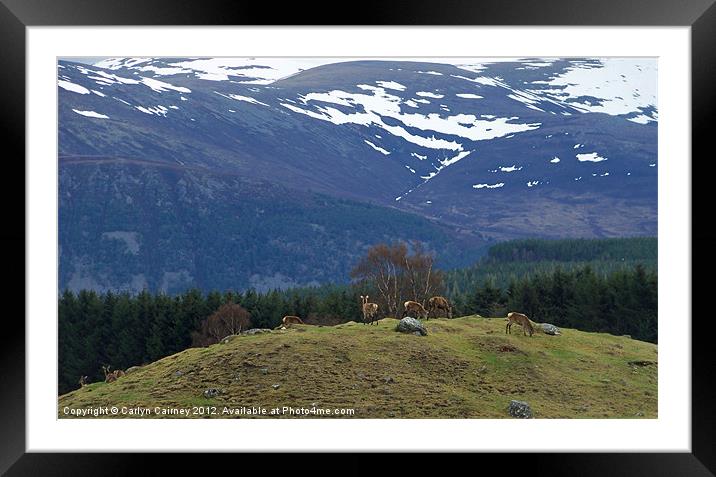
[254,331]
[211,393]
[411,325]
[549,329]
[520,409]
[132,369]
[227,339]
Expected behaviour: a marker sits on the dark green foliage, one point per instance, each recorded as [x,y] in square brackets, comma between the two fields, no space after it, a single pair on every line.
[517,259]
[126,330]
[597,292]
[623,302]
[574,250]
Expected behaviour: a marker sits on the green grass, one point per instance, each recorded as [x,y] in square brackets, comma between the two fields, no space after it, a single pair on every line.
[465,368]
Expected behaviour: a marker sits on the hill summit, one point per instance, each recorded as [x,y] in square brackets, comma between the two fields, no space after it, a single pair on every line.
[464,368]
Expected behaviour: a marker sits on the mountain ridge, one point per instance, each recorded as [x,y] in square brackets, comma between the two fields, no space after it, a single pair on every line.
[489,150]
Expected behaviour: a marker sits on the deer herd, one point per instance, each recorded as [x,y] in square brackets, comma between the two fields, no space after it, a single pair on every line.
[436,305]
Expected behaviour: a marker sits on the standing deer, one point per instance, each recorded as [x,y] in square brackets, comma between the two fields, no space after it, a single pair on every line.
[413,308]
[111,376]
[522,320]
[437,303]
[291,320]
[370,310]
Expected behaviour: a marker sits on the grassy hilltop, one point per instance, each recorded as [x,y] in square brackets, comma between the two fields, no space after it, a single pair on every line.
[465,368]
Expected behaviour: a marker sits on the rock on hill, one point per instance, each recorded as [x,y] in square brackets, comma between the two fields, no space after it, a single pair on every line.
[464,368]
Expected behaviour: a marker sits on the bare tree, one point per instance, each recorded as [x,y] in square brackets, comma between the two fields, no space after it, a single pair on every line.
[423,280]
[229,319]
[392,273]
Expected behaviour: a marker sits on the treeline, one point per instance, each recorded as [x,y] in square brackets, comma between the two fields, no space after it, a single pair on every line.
[125,330]
[519,259]
[603,294]
[574,250]
[621,303]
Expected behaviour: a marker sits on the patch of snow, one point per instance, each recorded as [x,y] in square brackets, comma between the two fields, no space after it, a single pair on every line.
[488,186]
[590,157]
[510,168]
[555,160]
[91,114]
[468,96]
[158,110]
[110,78]
[415,154]
[160,86]
[641,119]
[428,94]
[622,85]
[391,85]
[244,70]
[377,148]
[238,97]
[75,88]
[483,80]
[532,183]
[381,104]
[98,93]
[451,161]
[436,73]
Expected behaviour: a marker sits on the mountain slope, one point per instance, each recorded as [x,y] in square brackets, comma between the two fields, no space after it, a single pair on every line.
[488,150]
[464,368]
[167,227]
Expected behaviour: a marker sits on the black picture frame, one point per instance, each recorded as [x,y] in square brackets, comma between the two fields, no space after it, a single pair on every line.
[700,15]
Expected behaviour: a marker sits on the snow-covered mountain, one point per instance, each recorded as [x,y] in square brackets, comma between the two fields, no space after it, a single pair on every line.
[485,148]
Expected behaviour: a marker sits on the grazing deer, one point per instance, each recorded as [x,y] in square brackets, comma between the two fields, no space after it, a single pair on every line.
[291,320]
[111,376]
[522,320]
[370,310]
[437,303]
[83,381]
[415,308]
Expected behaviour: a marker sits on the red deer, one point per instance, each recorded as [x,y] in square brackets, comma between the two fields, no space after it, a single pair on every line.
[111,376]
[438,303]
[522,320]
[291,320]
[414,309]
[83,381]
[370,310]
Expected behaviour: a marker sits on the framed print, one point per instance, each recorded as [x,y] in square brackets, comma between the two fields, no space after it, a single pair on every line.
[431,232]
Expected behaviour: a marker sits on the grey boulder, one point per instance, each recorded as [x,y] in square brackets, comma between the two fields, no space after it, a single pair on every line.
[520,409]
[549,329]
[411,325]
